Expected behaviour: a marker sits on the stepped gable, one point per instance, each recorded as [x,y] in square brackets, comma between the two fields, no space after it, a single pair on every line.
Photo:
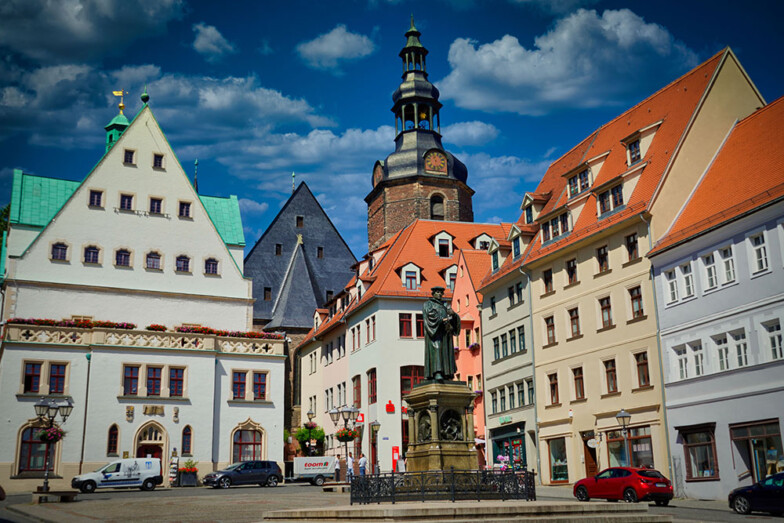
[297,277]
[757,179]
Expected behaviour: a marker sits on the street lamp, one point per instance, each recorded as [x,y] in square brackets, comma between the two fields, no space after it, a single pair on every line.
[623,418]
[310,415]
[375,426]
[348,414]
[47,410]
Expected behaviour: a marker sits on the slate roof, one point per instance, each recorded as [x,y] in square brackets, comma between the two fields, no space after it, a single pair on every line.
[299,280]
[752,159]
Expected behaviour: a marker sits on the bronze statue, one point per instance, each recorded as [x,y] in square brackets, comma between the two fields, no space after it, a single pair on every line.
[441,324]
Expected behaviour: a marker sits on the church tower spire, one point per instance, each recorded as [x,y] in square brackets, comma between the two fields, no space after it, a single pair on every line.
[420,180]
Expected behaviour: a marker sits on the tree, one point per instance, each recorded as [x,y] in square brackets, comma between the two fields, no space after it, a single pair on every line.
[303,434]
[4,217]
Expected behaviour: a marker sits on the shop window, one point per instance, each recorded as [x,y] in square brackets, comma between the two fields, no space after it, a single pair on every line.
[559,470]
[247,445]
[638,446]
[759,447]
[699,449]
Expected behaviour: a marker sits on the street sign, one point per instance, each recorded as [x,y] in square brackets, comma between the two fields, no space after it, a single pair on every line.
[361,418]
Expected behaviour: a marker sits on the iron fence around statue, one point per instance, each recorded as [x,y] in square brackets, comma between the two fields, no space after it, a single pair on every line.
[452,485]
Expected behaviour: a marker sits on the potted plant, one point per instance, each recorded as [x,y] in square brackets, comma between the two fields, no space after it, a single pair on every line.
[50,435]
[345,435]
[188,474]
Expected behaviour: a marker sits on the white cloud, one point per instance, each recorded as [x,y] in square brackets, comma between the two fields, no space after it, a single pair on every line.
[249,206]
[501,180]
[329,50]
[55,31]
[585,60]
[469,133]
[210,43]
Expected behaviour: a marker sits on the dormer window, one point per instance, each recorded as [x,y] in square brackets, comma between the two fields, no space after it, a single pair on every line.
[443,248]
[634,152]
[411,280]
[443,244]
[529,214]
[450,276]
[579,183]
[484,245]
[611,199]
[546,232]
[494,257]
[516,247]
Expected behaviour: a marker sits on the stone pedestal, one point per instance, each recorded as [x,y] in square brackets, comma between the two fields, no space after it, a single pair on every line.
[441,427]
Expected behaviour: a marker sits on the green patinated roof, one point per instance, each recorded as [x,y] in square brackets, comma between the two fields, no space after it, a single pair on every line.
[225,214]
[120,119]
[36,199]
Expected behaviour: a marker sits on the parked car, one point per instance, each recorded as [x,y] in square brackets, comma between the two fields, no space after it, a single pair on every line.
[765,496]
[626,483]
[264,473]
[144,473]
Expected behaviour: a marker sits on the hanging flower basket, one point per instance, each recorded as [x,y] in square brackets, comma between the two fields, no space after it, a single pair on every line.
[310,425]
[473,347]
[347,435]
[50,435]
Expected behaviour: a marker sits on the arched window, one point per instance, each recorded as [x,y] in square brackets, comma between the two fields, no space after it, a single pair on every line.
[247,445]
[91,254]
[186,440]
[32,452]
[436,207]
[111,442]
[183,264]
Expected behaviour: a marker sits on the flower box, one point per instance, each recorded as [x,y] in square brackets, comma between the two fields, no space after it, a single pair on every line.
[188,479]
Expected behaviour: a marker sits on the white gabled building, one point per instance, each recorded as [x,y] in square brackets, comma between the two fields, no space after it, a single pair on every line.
[131,243]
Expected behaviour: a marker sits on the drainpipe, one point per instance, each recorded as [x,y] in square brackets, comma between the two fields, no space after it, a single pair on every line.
[533,373]
[86,399]
[661,356]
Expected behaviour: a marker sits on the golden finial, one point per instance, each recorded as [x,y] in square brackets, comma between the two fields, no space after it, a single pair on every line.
[300,241]
[121,94]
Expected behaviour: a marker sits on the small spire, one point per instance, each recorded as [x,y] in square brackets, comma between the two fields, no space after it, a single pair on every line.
[412,21]
[293,175]
[196,175]
[145,97]
[121,94]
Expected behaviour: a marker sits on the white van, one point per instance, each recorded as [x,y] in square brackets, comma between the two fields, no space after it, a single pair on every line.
[314,469]
[144,473]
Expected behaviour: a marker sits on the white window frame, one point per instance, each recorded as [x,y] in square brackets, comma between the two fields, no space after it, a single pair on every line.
[709,271]
[775,342]
[741,345]
[721,341]
[671,278]
[754,253]
[687,274]
[698,357]
[727,257]
[680,362]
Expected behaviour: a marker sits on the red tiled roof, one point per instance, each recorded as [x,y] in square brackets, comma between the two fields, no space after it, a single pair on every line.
[747,173]
[477,264]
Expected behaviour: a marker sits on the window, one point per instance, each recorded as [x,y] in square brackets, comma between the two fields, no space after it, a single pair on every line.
[238,385]
[521,338]
[554,227]
[153,261]
[405,325]
[247,446]
[553,379]
[559,468]
[571,271]
[634,152]
[635,294]
[579,386]
[122,258]
[91,254]
[154,381]
[496,348]
[128,157]
[33,452]
[631,247]
[602,259]
[319,252]
[111,441]
[638,446]
[643,378]
[411,280]
[176,380]
[467,338]
[483,245]
[688,281]
[547,277]
[156,205]
[574,188]
[267,293]
[437,207]
[529,214]
[519,291]
[516,248]
[521,393]
[157,161]
[183,264]
[492,305]
[494,259]
[699,449]
[126,202]
[60,251]
[574,321]
[617,196]
[211,266]
[300,222]
[606,308]
[278,249]
[722,351]
[187,439]
[511,394]
[452,279]
[356,385]
[550,327]
[728,264]
[504,346]
[502,397]
[494,401]
[683,363]
[611,376]
[760,252]
[443,248]
[259,385]
[511,293]
[775,340]
[371,377]
[604,202]
[96,198]
[710,272]
[57,378]
[512,342]
[131,380]
[699,358]
[32,377]
[185,210]
[530,387]
[672,286]
[420,326]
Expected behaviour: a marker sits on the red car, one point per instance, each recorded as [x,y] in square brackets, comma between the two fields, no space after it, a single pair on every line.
[626,483]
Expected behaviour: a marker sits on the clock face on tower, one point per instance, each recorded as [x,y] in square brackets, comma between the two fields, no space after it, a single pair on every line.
[435,162]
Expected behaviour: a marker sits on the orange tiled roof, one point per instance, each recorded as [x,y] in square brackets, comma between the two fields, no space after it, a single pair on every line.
[477,264]
[747,173]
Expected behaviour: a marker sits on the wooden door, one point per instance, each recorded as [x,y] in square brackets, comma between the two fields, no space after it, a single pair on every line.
[590,460]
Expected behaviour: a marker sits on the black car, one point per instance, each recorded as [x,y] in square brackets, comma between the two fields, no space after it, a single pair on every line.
[264,473]
[765,496]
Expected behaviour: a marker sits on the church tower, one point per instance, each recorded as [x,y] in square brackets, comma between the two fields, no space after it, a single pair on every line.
[420,180]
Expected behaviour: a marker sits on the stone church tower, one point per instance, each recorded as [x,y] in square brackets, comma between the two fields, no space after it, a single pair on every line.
[420,180]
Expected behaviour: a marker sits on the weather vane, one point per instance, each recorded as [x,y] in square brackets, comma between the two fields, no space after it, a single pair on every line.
[121,94]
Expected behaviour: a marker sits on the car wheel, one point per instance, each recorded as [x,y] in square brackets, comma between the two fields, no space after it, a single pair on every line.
[88,487]
[741,505]
[662,502]
[318,481]
[630,496]
[224,482]
[582,494]
[272,481]
[148,485]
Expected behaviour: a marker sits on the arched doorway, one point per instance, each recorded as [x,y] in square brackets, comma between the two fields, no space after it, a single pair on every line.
[150,441]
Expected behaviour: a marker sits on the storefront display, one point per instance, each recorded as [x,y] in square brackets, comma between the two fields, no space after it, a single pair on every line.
[559,470]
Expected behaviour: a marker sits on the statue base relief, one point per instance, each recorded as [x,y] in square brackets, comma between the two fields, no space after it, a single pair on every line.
[441,427]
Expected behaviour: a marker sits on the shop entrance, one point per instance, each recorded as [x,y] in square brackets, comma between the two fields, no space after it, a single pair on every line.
[150,442]
[590,455]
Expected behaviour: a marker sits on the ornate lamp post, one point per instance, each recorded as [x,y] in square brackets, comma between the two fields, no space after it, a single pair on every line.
[374,428]
[310,415]
[47,410]
[348,414]
[623,418]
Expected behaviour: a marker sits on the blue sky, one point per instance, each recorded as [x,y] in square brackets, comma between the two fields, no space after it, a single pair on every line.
[255,90]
